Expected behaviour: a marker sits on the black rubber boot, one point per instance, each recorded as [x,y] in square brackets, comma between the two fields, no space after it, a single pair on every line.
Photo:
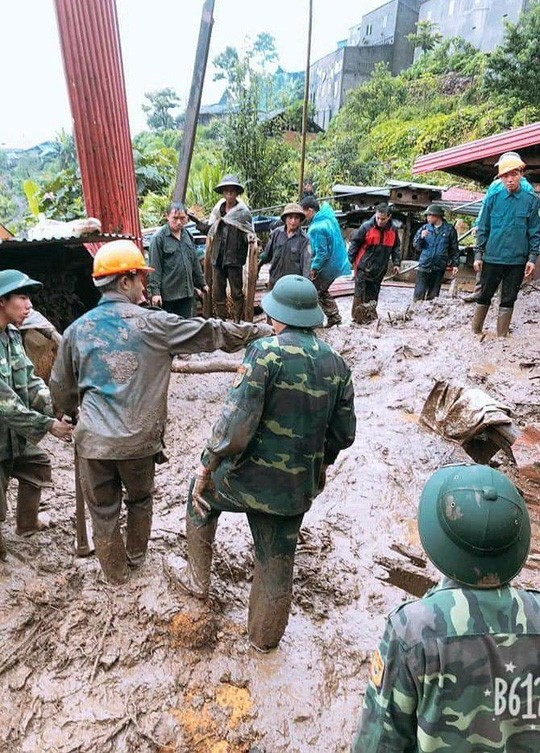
[28,499]
[139,525]
[111,553]
[195,577]
[479,317]
[503,321]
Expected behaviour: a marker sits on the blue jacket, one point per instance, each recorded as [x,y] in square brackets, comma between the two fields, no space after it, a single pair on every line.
[509,228]
[439,249]
[327,245]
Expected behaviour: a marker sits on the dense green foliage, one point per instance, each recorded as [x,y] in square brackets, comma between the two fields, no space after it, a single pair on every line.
[513,67]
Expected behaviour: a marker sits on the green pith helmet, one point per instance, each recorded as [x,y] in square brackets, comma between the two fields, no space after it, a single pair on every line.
[293,300]
[12,280]
[474,525]
[435,209]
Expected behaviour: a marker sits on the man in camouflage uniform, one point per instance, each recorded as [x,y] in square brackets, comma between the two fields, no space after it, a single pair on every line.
[116,362]
[459,669]
[287,416]
[25,410]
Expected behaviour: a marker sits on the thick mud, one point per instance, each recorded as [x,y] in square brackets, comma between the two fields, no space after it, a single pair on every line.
[86,667]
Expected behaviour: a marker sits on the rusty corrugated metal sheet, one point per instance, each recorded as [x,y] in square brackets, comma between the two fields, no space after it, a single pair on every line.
[93,66]
[484,152]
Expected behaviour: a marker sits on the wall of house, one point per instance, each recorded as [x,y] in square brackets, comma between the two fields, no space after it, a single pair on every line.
[334,75]
[480,22]
[376,27]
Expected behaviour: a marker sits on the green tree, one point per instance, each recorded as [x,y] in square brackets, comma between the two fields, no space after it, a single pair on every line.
[161,102]
[512,70]
[426,36]
[60,153]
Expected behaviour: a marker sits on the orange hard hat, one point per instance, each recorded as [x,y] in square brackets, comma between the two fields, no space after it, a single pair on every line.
[118,257]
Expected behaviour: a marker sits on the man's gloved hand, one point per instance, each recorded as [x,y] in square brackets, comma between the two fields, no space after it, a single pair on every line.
[203,483]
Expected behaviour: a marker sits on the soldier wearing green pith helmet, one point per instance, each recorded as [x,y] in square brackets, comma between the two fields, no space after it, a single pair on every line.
[287,416]
[459,670]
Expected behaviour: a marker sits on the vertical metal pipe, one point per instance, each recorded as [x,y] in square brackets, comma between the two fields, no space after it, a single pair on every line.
[194,104]
[91,52]
[306,102]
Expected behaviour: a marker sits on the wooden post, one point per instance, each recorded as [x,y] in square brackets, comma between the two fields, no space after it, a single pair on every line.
[208,297]
[194,104]
[305,105]
[251,281]
[405,247]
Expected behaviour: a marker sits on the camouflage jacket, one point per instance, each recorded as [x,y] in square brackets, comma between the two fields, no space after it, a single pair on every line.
[115,361]
[290,410]
[456,671]
[25,403]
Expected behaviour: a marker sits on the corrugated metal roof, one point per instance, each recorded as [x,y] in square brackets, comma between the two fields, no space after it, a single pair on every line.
[476,159]
[74,240]
[93,66]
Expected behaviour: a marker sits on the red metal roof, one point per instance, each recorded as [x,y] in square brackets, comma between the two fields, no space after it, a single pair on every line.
[475,159]
[93,66]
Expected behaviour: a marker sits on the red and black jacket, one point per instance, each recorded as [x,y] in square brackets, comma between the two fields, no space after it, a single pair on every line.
[371,247]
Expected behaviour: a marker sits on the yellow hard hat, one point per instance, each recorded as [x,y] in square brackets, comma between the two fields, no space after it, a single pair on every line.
[118,257]
[508,162]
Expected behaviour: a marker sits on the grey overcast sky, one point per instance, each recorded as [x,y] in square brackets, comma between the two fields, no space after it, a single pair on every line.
[159,38]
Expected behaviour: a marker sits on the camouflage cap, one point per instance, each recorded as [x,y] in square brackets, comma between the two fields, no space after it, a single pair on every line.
[294,300]
[474,525]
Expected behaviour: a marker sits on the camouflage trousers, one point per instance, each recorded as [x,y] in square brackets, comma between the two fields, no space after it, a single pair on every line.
[275,538]
[32,470]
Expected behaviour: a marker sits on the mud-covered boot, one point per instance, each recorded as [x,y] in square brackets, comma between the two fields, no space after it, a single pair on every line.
[139,525]
[3,548]
[333,321]
[221,310]
[503,321]
[479,317]
[27,520]
[364,313]
[111,554]
[195,576]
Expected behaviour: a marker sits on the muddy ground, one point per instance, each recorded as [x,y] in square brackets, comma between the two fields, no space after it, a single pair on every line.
[85,667]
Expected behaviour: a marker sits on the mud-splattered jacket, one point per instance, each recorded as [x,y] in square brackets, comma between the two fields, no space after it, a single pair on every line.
[115,362]
[25,402]
[456,671]
[290,410]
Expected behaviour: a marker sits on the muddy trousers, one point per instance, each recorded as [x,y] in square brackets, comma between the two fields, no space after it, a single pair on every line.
[32,470]
[102,481]
[326,301]
[220,276]
[275,539]
[428,284]
[366,290]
